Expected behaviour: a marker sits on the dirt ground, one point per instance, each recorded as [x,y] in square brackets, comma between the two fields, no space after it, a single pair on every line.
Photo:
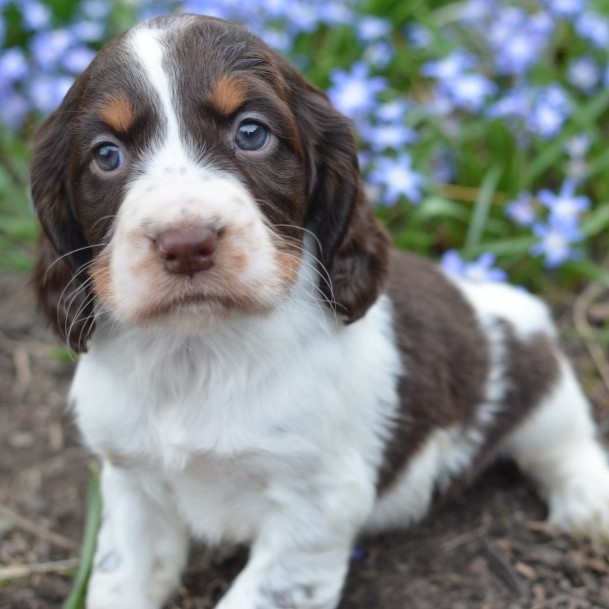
[485,549]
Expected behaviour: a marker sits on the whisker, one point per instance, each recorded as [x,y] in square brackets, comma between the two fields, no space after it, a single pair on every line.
[79,249]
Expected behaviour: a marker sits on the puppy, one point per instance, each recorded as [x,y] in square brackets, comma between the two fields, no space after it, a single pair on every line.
[257,365]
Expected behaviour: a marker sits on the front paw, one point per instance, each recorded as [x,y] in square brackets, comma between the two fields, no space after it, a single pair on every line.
[280,597]
[111,587]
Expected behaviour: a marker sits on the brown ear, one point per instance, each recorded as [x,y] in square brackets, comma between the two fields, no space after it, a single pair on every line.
[60,275]
[63,296]
[354,247]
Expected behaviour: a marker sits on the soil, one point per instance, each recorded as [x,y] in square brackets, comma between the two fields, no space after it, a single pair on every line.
[485,549]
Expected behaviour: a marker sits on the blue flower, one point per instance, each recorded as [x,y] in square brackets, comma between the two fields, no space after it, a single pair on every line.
[551,110]
[13,66]
[397,179]
[565,8]
[584,73]
[556,242]
[387,136]
[13,109]
[468,91]
[578,146]
[450,67]
[593,27]
[517,39]
[46,92]
[372,29]
[354,92]
[78,59]
[565,207]
[49,47]
[479,270]
[35,14]
[522,210]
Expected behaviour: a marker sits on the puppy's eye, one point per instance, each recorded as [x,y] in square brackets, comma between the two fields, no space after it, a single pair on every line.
[109,157]
[251,136]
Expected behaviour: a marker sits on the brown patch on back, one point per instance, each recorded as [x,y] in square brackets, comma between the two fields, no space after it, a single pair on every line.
[228,95]
[118,113]
[445,356]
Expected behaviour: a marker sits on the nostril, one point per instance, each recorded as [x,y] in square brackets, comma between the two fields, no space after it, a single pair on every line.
[186,250]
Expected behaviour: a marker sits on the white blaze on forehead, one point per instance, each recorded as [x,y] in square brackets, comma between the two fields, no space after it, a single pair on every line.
[147,45]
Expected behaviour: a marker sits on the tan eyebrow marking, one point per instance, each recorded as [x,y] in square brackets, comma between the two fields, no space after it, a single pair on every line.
[228,95]
[118,113]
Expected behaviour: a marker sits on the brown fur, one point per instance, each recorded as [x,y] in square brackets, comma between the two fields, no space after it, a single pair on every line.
[228,95]
[118,114]
[445,355]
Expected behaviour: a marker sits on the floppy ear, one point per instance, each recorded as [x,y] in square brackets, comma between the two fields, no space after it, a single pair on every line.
[60,275]
[354,247]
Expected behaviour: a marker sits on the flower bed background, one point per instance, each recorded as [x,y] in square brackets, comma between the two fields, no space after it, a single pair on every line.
[482,123]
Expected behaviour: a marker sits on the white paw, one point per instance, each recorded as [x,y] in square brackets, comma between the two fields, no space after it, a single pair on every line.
[116,588]
[108,592]
[580,507]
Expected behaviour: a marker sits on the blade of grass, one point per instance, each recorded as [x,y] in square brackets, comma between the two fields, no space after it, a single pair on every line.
[482,206]
[76,600]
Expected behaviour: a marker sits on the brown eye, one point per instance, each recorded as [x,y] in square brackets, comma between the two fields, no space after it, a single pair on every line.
[109,157]
[251,136]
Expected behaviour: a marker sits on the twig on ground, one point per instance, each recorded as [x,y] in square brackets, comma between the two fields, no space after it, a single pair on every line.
[464,538]
[19,571]
[27,525]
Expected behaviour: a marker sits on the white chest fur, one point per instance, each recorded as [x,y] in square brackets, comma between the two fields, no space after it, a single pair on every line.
[229,422]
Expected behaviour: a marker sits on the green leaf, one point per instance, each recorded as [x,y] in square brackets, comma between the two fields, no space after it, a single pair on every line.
[76,600]
[482,206]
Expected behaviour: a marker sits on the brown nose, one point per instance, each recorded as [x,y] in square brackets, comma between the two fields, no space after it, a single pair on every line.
[187,251]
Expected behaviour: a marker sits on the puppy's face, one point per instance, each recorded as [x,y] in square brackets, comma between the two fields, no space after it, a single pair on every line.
[180,175]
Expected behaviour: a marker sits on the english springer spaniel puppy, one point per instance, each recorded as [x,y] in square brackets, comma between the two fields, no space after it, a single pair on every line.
[258,366]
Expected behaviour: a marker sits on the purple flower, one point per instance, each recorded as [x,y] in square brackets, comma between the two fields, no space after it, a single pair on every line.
[522,210]
[584,73]
[479,270]
[556,240]
[354,92]
[565,207]
[397,179]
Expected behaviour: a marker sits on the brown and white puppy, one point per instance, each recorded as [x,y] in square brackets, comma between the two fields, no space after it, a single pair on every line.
[257,365]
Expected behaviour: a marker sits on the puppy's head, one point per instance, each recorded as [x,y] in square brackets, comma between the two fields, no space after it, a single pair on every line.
[179,177]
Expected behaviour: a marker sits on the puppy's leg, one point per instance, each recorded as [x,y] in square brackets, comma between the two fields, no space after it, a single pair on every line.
[557,445]
[301,555]
[141,547]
